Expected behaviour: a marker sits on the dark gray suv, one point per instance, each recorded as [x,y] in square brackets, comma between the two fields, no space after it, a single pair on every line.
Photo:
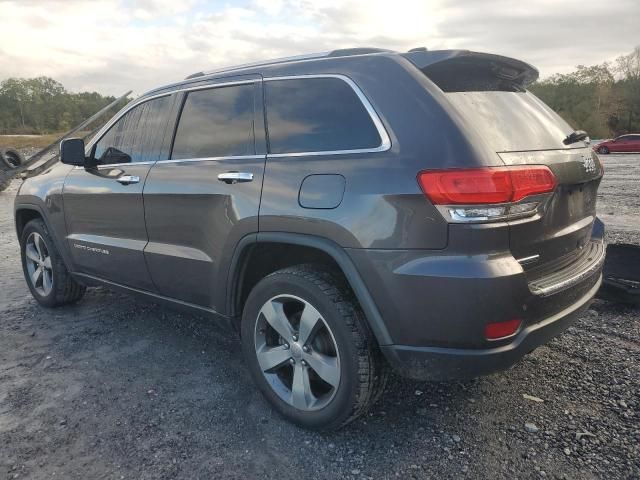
[346,212]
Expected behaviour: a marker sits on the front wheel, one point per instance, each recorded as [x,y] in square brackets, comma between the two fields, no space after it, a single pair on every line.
[46,275]
[309,349]
[604,150]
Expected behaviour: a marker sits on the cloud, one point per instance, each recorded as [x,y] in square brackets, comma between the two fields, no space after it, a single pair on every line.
[114,45]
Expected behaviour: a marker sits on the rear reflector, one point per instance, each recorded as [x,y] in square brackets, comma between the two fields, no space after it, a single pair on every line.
[485,186]
[497,330]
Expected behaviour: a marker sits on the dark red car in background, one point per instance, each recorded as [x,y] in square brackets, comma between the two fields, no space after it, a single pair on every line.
[621,144]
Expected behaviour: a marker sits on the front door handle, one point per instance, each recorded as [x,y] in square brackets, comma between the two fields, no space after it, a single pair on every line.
[128,179]
[235,177]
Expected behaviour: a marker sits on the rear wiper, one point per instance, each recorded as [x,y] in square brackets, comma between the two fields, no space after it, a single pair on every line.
[575,137]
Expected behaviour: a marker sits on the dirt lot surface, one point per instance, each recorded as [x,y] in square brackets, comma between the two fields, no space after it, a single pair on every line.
[27,141]
[115,388]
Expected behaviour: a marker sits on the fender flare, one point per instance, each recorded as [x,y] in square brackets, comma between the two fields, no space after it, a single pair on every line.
[36,208]
[372,314]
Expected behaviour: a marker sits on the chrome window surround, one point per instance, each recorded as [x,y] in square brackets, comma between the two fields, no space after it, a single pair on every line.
[385,141]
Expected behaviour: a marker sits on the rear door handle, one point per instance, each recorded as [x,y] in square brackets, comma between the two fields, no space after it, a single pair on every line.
[235,177]
[128,179]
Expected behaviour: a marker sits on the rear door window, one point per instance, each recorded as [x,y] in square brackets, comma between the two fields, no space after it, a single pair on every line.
[317,115]
[216,122]
[137,136]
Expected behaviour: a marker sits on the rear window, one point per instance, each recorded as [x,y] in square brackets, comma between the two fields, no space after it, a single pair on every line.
[216,123]
[317,115]
[489,93]
[510,121]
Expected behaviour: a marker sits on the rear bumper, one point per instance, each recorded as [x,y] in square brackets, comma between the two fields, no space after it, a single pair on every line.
[436,363]
[436,304]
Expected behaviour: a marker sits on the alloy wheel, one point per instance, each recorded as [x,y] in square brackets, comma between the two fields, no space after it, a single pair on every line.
[39,265]
[297,352]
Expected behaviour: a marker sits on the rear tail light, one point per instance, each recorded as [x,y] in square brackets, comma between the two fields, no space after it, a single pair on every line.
[498,330]
[484,194]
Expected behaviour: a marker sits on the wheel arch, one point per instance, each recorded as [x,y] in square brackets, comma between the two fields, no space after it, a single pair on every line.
[24,213]
[323,248]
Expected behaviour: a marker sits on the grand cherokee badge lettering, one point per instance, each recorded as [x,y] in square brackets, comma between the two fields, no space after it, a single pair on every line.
[91,249]
[588,164]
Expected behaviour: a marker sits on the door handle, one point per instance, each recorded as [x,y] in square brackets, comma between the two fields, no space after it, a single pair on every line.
[235,177]
[128,179]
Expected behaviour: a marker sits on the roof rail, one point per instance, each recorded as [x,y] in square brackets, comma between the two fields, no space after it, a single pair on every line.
[274,61]
[342,52]
[345,52]
[195,75]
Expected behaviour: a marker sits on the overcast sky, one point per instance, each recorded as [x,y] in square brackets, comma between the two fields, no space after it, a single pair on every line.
[111,46]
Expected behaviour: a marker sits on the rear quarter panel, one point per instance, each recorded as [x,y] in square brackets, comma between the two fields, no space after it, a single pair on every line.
[383,206]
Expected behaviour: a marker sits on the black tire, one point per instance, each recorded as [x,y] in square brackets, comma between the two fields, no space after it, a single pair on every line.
[604,150]
[13,158]
[4,168]
[363,371]
[64,289]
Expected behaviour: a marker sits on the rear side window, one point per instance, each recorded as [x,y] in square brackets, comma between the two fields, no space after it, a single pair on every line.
[137,136]
[217,122]
[317,115]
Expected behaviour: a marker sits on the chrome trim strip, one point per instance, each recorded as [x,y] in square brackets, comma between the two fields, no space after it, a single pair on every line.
[126,164]
[177,160]
[206,159]
[384,136]
[528,260]
[115,165]
[571,281]
[385,141]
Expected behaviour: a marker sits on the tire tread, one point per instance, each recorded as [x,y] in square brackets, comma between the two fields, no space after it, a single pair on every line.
[373,371]
[67,289]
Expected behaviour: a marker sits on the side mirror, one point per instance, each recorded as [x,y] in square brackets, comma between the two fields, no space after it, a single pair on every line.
[72,151]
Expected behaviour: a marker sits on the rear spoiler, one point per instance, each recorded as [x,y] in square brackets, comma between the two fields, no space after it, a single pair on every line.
[463,70]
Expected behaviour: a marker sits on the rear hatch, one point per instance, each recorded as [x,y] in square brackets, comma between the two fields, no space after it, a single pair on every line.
[489,92]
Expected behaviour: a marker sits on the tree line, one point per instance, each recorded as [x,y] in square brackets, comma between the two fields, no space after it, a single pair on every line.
[41,105]
[602,99]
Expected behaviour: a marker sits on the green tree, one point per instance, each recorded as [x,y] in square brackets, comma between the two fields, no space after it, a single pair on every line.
[602,99]
[628,68]
[42,105]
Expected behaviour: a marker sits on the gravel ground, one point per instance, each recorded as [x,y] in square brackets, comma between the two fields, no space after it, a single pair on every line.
[619,198]
[116,388]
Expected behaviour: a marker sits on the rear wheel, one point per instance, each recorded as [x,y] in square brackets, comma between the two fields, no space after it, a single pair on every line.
[309,349]
[46,275]
[604,150]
